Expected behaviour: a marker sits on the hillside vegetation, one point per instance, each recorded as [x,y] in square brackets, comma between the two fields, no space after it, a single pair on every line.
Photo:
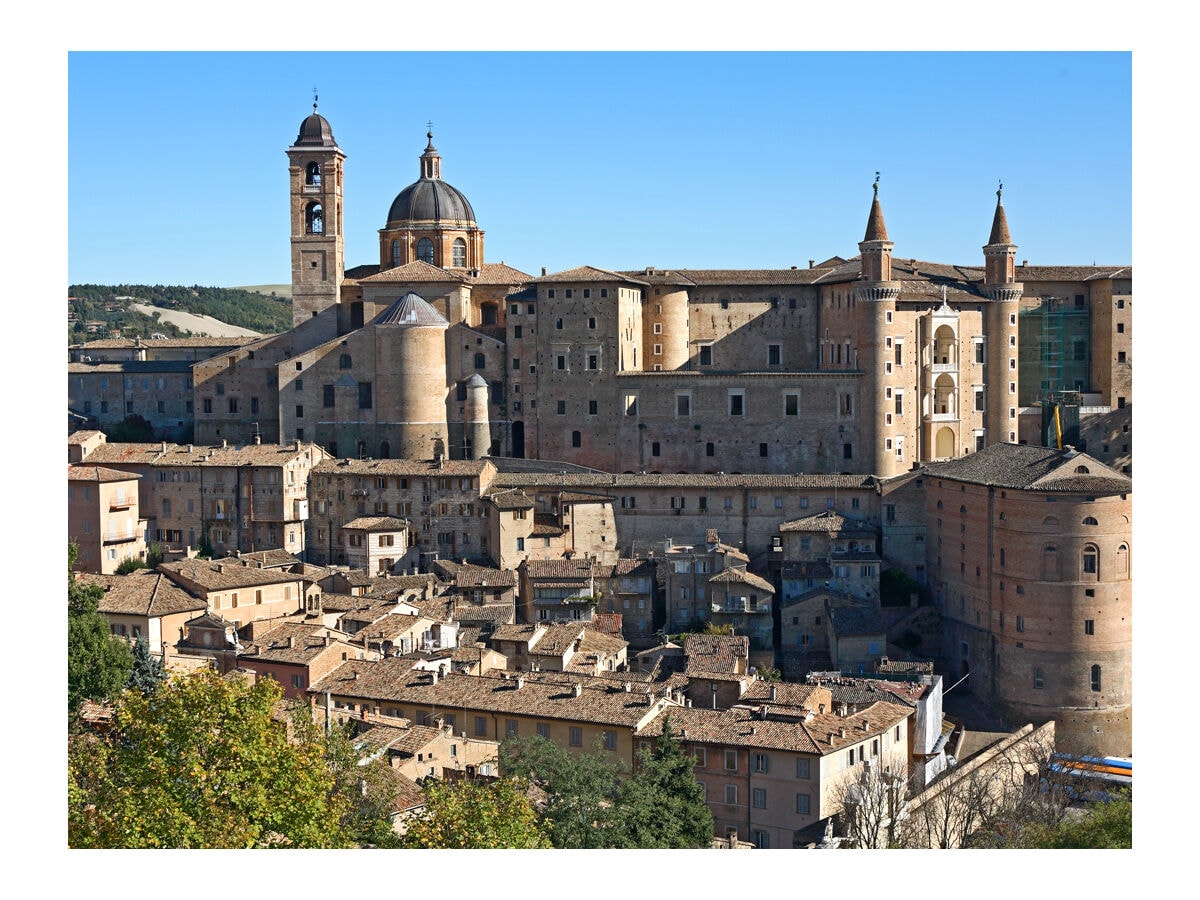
[267,313]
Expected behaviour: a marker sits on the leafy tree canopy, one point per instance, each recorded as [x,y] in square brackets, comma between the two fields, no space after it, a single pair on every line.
[202,763]
[476,815]
[98,664]
[148,672]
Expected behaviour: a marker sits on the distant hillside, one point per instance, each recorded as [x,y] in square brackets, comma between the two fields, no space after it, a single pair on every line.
[280,290]
[109,308]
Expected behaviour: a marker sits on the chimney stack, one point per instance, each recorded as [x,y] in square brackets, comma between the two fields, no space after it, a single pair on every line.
[773,693]
[576,689]
[842,731]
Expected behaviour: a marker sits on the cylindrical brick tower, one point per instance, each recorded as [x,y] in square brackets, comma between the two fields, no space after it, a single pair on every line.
[410,365]
[875,297]
[1001,288]
[478,429]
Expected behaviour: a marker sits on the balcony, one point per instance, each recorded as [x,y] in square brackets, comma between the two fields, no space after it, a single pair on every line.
[948,367]
[121,537]
[120,502]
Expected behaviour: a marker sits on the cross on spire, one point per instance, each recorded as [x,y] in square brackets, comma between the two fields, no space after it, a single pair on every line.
[876,185]
[314,98]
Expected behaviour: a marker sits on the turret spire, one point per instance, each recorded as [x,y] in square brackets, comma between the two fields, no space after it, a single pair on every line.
[1000,234]
[876,229]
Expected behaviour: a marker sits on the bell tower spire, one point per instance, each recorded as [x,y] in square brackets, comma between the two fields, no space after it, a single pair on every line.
[1000,252]
[1001,287]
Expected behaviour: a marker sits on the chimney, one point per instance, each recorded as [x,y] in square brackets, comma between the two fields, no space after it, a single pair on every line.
[328,640]
[773,693]
[297,443]
[576,689]
[842,731]
[821,708]
[831,737]
[811,263]
[543,271]
[356,676]
[224,443]
[164,446]
[257,438]
[433,676]
[191,448]
[866,726]
[753,731]
[291,642]
[520,682]
[628,687]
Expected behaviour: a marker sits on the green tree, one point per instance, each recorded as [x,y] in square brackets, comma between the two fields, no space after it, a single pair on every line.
[133,429]
[476,815]
[583,790]
[148,672]
[368,786]
[98,664]
[201,763]
[662,806]
[1106,825]
[130,564]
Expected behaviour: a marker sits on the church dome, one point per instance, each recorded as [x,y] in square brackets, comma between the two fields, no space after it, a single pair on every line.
[315,131]
[429,199]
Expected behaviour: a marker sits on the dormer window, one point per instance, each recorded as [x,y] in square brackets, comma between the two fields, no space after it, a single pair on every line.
[313,174]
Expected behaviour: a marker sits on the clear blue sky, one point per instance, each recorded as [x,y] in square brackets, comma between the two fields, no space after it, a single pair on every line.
[177,172]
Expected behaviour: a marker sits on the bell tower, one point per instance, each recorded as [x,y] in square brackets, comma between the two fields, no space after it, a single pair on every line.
[318,254]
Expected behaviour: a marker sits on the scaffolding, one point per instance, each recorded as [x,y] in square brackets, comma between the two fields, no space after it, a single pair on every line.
[1055,357]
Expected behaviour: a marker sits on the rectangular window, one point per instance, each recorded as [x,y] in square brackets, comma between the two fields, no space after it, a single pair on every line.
[760,798]
[593,407]
[327,395]
[803,768]
[731,794]
[731,760]
[700,756]
[543,730]
[364,395]
[706,355]
[1089,626]
[791,404]
[683,404]
[481,728]
[610,740]
[737,403]
[803,803]
[576,736]
[774,354]
[759,762]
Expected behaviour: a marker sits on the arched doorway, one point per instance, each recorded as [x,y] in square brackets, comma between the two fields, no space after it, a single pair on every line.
[943,447]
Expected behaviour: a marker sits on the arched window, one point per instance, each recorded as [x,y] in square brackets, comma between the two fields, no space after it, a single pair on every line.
[395,253]
[1050,520]
[962,509]
[576,439]
[1090,520]
[313,173]
[425,250]
[344,361]
[939,504]
[1050,562]
[385,450]
[1123,559]
[1082,470]
[314,219]
[1091,560]
[460,252]
[1095,678]
[480,361]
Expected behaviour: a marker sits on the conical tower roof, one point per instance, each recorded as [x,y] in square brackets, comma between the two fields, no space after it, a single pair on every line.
[876,229]
[1000,234]
[411,309]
